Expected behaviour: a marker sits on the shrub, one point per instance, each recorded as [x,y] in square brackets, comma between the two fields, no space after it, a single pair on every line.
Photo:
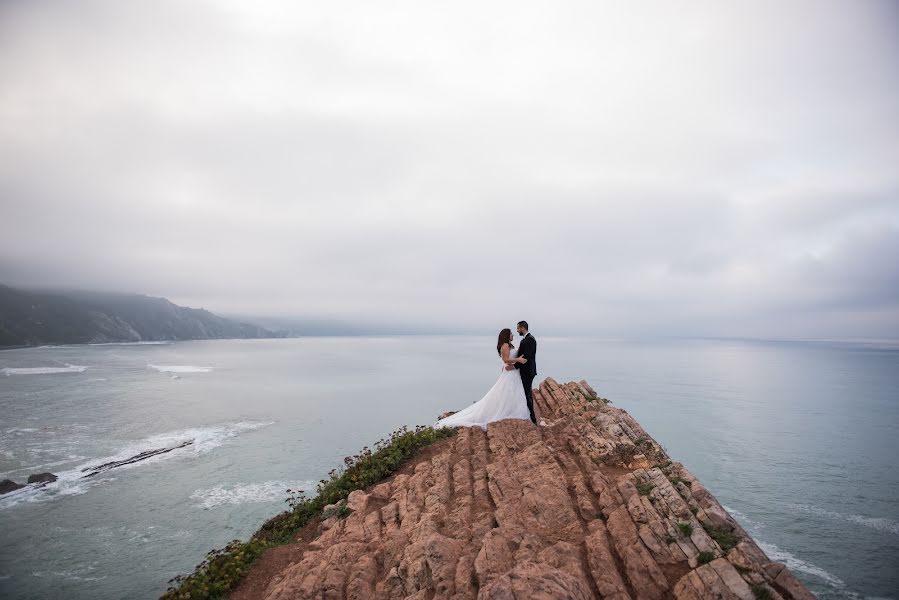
[725,538]
[643,488]
[705,556]
[686,529]
[761,592]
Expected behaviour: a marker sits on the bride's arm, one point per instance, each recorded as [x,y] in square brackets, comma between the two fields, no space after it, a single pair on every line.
[508,360]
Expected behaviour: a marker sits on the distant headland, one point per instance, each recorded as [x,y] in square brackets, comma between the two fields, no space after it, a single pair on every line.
[37,318]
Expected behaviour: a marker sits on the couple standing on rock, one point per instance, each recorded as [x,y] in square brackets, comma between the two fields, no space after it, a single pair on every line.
[510,397]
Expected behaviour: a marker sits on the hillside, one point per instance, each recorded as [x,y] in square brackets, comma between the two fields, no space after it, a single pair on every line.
[34,318]
[589,506]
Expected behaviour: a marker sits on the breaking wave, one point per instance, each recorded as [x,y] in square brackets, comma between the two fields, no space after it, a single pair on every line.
[180,368]
[164,446]
[247,493]
[43,370]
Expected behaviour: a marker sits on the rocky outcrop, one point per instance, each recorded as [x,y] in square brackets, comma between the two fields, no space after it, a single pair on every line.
[589,506]
[8,485]
[42,478]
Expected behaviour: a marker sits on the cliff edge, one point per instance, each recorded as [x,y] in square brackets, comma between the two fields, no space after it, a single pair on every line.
[589,506]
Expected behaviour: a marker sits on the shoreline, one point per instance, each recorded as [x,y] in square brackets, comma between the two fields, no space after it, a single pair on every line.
[589,506]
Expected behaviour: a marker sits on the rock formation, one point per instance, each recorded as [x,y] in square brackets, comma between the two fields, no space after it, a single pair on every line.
[589,506]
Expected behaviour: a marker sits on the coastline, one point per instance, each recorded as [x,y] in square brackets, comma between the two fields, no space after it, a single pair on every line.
[609,514]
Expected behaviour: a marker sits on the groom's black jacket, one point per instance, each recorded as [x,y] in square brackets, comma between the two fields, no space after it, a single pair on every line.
[528,350]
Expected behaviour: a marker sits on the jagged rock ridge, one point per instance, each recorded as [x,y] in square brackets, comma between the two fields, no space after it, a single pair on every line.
[589,506]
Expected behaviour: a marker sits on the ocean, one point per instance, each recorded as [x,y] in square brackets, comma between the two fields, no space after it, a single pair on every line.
[798,440]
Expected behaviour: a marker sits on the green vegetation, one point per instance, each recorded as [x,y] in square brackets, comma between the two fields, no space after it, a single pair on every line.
[224,568]
[705,556]
[686,529]
[725,538]
[677,480]
[694,510]
[761,592]
[597,398]
[670,539]
[644,487]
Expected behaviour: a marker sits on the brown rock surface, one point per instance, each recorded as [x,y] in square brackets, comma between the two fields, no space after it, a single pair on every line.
[589,506]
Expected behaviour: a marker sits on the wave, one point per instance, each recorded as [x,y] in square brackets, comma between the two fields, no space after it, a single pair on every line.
[878,523]
[43,370]
[247,493]
[180,369]
[160,343]
[795,563]
[182,443]
[65,346]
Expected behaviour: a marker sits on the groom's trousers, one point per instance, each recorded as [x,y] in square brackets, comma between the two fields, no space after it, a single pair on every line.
[528,381]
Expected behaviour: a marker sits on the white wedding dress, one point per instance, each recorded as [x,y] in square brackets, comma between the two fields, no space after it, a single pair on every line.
[505,400]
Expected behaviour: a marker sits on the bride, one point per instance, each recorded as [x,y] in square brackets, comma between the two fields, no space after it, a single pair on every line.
[505,400]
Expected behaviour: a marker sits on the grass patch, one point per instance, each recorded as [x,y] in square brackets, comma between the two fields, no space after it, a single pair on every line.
[705,556]
[223,569]
[686,529]
[761,592]
[643,488]
[725,538]
[694,510]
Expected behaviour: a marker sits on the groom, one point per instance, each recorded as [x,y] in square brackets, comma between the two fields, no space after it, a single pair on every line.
[528,370]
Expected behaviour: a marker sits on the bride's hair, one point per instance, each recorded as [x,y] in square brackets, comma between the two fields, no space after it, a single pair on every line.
[505,337]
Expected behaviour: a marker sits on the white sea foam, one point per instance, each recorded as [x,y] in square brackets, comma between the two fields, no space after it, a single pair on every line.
[161,343]
[246,493]
[180,369]
[797,564]
[793,562]
[43,370]
[878,523]
[72,481]
[80,573]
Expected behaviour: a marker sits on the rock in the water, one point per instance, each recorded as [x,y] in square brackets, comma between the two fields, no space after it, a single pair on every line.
[42,478]
[589,507]
[8,485]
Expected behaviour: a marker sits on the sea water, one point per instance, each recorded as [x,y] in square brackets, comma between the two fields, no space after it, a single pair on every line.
[798,440]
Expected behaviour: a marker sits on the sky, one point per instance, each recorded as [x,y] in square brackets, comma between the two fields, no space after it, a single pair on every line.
[723,169]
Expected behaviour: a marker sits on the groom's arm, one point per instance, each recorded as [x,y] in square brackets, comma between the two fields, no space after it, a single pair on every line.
[526,351]
[523,353]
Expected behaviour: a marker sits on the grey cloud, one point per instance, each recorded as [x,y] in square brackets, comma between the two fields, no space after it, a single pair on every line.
[701,171]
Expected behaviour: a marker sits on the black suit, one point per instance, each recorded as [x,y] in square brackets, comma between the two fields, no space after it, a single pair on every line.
[528,370]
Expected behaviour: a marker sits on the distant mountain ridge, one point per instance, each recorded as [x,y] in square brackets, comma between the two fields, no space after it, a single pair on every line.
[34,318]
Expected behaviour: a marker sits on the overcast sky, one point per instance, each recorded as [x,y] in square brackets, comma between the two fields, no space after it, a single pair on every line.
[689,168]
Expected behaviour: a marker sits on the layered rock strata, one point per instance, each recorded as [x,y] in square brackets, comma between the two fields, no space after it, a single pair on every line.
[589,506]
